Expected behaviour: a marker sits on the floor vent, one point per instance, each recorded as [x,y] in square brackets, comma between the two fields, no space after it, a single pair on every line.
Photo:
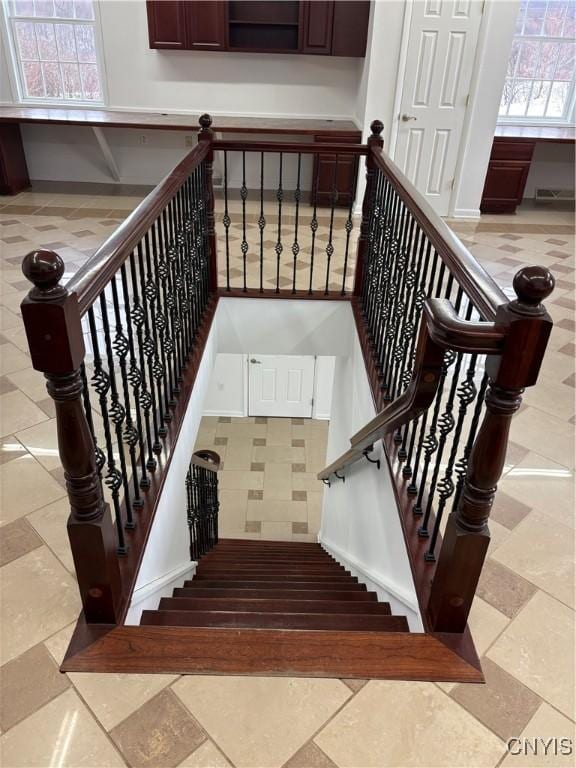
[549,195]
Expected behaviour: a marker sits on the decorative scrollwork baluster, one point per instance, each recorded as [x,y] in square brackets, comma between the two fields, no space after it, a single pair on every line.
[295,244]
[226,221]
[278,248]
[261,222]
[244,243]
[330,245]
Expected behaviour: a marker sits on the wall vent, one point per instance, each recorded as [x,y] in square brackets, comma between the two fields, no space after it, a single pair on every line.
[544,194]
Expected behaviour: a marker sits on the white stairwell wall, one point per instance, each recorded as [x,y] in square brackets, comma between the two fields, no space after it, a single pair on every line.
[360,525]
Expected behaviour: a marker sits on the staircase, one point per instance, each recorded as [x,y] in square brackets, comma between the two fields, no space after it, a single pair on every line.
[244,584]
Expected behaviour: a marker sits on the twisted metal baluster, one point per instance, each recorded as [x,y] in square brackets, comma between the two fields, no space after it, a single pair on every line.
[129,433]
[330,246]
[100,458]
[150,292]
[295,245]
[134,377]
[244,243]
[379,247]
[348,228]
[372,298]
[203,242]
[191,279]
[462,464]
[261,222]
[369,251]
[174,294]
[226,221]
[279,248]
[392,231]
[139,374]
[113,478]
[159,242]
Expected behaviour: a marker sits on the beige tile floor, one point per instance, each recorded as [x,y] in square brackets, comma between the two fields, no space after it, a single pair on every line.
[522,619]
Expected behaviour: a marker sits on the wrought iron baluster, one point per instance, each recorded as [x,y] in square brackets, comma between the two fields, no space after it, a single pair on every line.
[113,478]
[313,229]
[129,433]
[147,396]
[202,242]
[462,463]
[330,245]
[244,243]
[261,222]
[279,247]
[348,229]
[374,202]
[191,263]
[374,267]
[295,244]
[150,291]
[160,240]
[388,247]
[175,300]
[226,220]
[100,458]
[134,377]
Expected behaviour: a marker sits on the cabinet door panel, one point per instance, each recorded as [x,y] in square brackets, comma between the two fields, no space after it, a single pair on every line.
[350,28]
[326,173]
[206,24]
[317,20]
[166,24]
[504,186]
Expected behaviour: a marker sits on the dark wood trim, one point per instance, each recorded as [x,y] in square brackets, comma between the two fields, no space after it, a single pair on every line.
[96,273]
[183,650]
[486,295]
[291,147]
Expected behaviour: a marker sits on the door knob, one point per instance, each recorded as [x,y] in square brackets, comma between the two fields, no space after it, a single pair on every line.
[253,360]
[407,118]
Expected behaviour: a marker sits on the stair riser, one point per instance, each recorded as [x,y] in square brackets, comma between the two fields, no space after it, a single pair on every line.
[339,622]
[272,576]
[287,584]
[272,606]
[278,594]
[280,571]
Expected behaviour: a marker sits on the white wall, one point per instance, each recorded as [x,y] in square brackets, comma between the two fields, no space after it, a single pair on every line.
[494,44]
[360,523]
[552,167]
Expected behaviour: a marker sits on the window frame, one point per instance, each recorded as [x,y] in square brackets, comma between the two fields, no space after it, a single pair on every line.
[568,117]
[14,63]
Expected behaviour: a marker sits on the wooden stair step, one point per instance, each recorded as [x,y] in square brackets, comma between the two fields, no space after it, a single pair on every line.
[287,621]
[267,560]
[271,570]
[262,544]
[279,584]
[277,593]
[271,606]
[271,576]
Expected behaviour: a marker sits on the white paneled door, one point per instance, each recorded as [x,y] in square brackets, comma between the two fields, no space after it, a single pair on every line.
[280,385]
[439,62]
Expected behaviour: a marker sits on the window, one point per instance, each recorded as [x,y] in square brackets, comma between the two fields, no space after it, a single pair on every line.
[55,50]
[539,85]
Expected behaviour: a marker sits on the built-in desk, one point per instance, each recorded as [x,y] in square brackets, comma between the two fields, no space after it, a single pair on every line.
[510,160]
[14,175]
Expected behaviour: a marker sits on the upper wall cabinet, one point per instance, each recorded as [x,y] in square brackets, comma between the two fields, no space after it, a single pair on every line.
[323,27]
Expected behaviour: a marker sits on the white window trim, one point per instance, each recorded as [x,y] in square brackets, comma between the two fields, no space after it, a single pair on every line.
[568,118]
[16,74]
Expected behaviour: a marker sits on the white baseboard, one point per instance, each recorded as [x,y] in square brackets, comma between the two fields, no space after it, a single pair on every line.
[221,412]
[148,595]
[387,590]
[465,213]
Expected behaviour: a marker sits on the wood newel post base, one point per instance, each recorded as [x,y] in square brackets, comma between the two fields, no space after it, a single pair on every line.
[375,141]
[466,538]
[54,330]
[207,134]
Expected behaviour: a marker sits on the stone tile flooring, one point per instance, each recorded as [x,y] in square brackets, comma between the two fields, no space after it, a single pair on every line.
[522,619]
[268,487]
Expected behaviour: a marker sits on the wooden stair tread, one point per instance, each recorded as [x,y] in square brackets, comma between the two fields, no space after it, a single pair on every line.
[265,605]
[256,576]
[287,621]
[279,594]
[279,584]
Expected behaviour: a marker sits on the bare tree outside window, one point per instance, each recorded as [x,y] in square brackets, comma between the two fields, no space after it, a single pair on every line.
[539,82]
[54,43]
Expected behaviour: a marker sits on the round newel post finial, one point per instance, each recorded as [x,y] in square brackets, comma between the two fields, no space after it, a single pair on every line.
[376,126]
[205,121]
[532,286]
[44,269]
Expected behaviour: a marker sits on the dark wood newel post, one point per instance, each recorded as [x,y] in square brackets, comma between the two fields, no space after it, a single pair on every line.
[527,326]
[375,141]
[54,331]
[207,134]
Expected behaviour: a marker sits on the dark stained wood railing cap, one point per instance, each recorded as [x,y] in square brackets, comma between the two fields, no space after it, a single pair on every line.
[44,269]
[532,286]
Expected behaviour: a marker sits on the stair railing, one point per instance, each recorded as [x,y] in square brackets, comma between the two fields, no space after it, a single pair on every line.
[119,345]
[202,502]
[448,356]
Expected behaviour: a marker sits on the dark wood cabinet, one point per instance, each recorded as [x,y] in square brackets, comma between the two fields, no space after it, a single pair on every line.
[506,177]
[205,25]
[330,175]
[13,169]
[166,24]
[322,27]
[317,18]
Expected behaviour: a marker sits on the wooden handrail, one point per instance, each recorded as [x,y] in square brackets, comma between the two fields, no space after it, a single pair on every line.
[291,147]
[94,276]
[440,329]
[207,460]
[476,282]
